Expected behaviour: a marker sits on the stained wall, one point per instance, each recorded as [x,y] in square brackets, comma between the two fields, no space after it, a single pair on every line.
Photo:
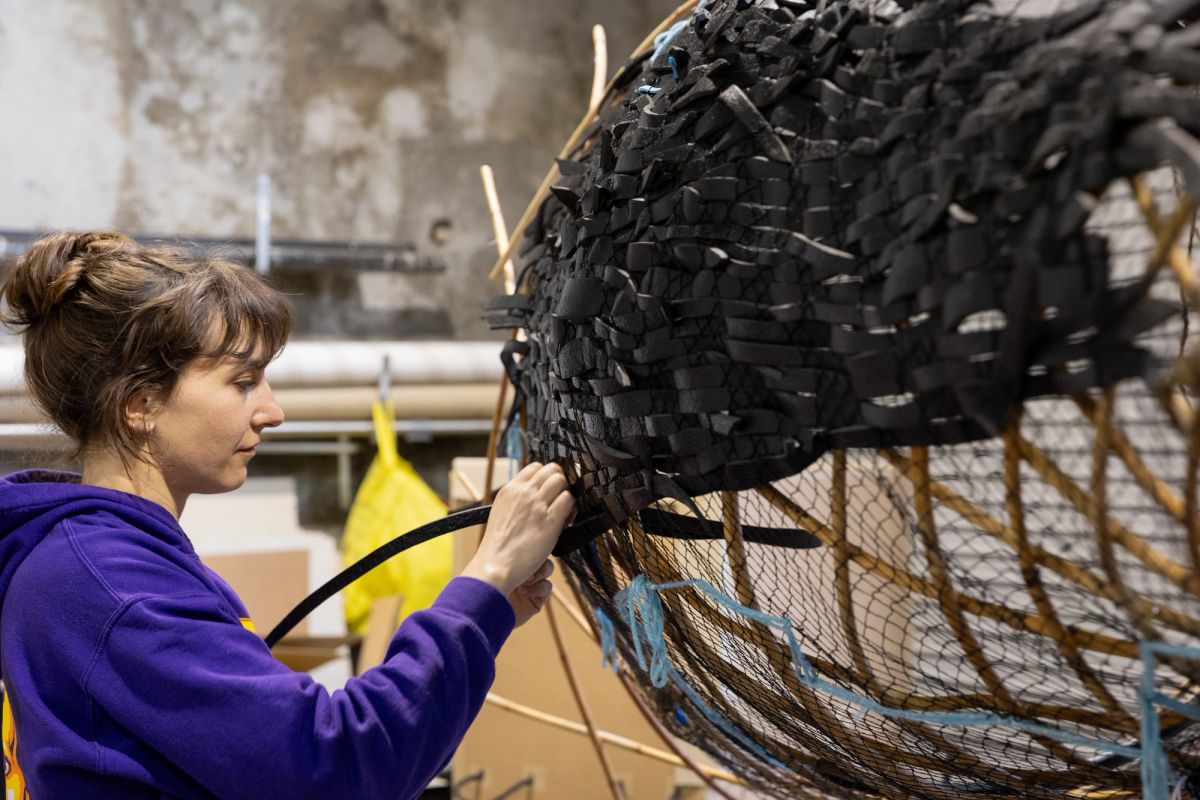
[371,117]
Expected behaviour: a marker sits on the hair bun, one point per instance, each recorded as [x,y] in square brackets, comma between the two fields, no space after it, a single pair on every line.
[50,269]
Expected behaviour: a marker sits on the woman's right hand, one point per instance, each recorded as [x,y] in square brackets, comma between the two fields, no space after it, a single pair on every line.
[530,512]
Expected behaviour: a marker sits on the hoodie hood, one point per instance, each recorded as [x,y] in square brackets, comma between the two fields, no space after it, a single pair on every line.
[34,501]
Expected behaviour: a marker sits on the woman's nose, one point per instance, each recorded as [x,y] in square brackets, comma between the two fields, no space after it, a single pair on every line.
[269,413]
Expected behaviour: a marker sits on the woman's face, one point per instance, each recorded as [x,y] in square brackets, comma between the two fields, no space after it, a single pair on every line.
[204,435]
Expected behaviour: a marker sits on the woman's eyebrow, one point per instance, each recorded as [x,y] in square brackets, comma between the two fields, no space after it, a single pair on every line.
[243,361]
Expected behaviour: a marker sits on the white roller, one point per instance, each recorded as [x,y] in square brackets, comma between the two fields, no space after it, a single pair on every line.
[346,363]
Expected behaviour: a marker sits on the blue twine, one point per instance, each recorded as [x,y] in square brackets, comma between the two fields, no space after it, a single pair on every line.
[513,447]
[641,610]
[641,595]
[608,641]
[641,602]
[1157,774]
[663,40]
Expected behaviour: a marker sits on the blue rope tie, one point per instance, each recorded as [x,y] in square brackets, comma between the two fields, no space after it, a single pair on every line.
[663,40]
[1156,772]
[513,448]
[640,608]
[642,595]
[646,88]
[608,641]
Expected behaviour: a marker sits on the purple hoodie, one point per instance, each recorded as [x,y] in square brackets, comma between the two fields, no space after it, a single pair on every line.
[130,674]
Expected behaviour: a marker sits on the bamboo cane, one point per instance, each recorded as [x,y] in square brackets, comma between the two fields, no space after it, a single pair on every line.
[608,738]
[618,792]
[539,195]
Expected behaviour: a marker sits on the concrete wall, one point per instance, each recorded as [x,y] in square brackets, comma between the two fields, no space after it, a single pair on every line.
[371,116]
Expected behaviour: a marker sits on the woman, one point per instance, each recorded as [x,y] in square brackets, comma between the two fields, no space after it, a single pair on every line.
[128,665]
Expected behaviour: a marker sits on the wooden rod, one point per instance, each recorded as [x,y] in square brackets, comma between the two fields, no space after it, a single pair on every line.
[683,9]
[1102,531]
[618,791]
[1033,580]
[599,67]
[873,754]
[947,594]
[845,600]
[1145,477]
[735,547]
[1165,249]
[878,748]
[744,587]
[706,774]
[574,613]
[1067,569]
[616,740]
[496,213]
[1191,520]
[952,607]
[1030,623]
[1179,574]
[489,471]
[467,485]
[841,569]
[499,229]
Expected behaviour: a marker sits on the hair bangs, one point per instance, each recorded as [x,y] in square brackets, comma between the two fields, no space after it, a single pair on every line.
[253,321]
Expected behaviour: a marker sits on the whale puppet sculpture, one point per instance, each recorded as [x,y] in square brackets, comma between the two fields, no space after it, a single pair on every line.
[863,332]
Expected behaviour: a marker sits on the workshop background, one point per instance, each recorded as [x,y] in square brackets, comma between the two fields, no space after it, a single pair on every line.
[370,119]
[336,145]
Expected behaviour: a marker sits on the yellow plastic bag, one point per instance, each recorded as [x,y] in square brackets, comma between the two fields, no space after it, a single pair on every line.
[393,500]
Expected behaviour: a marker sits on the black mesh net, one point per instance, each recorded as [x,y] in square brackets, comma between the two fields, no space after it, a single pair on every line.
[862,329]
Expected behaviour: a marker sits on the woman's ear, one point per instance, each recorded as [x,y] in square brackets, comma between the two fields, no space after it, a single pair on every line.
[140,412]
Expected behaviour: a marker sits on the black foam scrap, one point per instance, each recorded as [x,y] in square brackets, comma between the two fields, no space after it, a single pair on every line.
[783,234]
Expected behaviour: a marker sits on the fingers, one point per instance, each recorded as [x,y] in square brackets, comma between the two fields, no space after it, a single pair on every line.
[554,485]
[563,507]
[527,471]
[547,474]
[543,572]
[547,480]
[539,473]
[538,593]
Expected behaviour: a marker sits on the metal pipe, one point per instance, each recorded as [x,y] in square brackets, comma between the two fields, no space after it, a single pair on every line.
[262,227]
[22,435]
[285,254]
[342,363]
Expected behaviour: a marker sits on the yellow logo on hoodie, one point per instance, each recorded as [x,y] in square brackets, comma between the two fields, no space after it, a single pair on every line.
[14,779]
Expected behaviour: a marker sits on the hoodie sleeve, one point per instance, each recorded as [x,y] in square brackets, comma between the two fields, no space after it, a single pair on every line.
[208,695]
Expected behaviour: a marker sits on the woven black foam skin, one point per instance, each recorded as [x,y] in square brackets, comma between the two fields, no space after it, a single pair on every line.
[836,230]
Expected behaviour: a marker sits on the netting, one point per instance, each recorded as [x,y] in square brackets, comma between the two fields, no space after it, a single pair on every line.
[867,329]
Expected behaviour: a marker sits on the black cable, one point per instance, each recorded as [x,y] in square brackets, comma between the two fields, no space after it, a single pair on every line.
[476,515]
[656,522]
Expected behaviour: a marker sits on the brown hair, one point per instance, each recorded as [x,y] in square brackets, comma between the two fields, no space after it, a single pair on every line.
[106,318]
